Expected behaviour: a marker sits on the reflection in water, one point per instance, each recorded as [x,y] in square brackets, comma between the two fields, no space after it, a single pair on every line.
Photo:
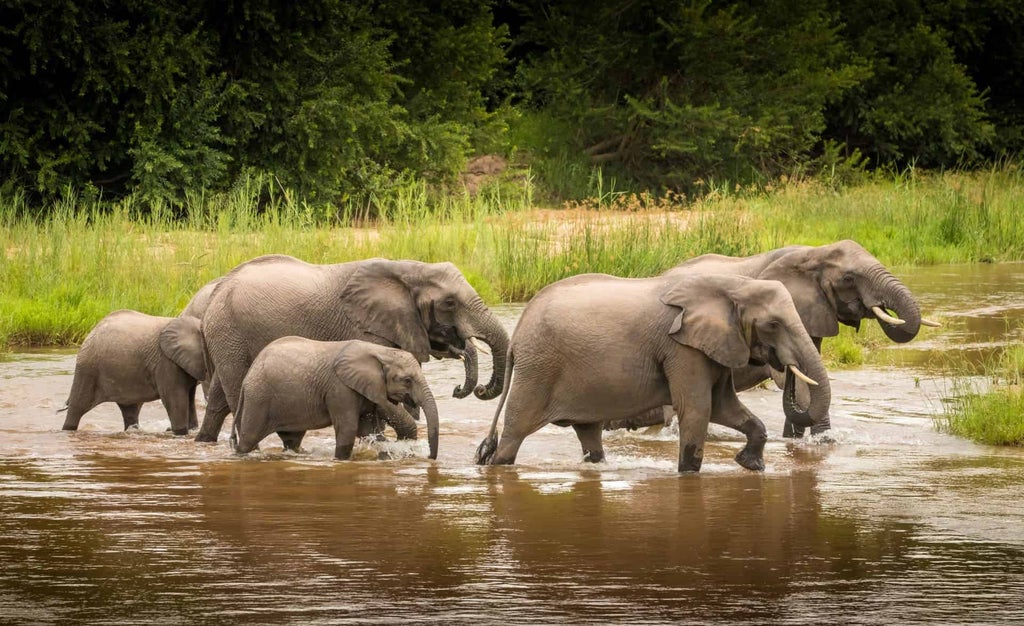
[894,523]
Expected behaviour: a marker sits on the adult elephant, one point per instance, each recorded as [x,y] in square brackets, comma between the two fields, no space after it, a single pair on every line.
[838,283]
[427,309]
[592,348]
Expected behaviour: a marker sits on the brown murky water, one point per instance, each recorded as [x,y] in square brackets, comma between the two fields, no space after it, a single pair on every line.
[894,523]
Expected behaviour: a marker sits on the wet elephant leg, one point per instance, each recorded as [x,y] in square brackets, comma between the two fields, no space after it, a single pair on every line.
[130,414]
[193,419]
[727,410]
[590,438]
[175,401]
[371,424]
[216,410]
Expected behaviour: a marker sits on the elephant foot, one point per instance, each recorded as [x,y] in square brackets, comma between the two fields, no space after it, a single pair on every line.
[692,459]
[180,432]
[590,456]
[485,451]
[750,459]
[343,453]
[134,426]
[206,438]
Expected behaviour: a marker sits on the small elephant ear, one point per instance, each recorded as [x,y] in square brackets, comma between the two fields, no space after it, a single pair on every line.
[380,302]
[708,320]
[182,342]
[801,272]
[360,368]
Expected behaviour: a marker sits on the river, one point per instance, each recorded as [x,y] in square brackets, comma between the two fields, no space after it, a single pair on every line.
[894,522]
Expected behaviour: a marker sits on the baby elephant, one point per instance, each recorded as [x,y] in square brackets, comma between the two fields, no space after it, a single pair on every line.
[298,384]
[131,358]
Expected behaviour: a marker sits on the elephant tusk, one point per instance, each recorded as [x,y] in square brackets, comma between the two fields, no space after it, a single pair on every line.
[481,346]
[885,317]
[804,377]
[925,322]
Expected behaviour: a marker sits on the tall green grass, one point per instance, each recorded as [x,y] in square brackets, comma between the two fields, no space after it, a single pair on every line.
[990,412]
[65,267]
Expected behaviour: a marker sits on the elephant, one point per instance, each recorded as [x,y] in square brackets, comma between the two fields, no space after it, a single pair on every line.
[593,348]
[831,284]
[196,308]
[131,358]
[427,309]
[297,384]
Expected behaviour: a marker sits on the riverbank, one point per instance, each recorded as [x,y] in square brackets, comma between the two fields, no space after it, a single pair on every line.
[63,272]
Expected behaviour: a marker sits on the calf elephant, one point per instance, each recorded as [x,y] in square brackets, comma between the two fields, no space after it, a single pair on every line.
[593,348]
[832,284]
[427,309]
[131,358]
[298,384]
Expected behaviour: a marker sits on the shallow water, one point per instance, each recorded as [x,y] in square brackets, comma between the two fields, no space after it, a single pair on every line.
[893,523]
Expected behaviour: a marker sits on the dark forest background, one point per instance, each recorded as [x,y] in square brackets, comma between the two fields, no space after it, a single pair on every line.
[331,99]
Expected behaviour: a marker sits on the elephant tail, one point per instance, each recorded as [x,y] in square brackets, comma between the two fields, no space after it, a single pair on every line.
[236,420]
[489,445]
[65,407]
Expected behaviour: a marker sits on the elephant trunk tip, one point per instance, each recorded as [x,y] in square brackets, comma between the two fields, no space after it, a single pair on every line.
[488,392]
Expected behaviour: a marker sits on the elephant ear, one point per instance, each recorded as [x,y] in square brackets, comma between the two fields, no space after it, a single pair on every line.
[708,320]
[182,342]
[380,302]
[802,273]
[360,368]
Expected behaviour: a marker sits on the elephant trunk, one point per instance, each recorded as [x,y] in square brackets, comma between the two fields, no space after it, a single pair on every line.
[816,415]
[493,334]
[425,399]
[469,358]
[886,291]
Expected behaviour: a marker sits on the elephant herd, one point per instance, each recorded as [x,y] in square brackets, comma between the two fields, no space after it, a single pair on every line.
[288,346]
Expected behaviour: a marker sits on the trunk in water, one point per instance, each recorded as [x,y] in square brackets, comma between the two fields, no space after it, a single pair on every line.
[425,399]
[816,415]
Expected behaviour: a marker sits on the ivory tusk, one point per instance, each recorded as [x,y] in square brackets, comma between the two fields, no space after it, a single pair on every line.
[804,377]
[885,317]
[925,322]
[481,346]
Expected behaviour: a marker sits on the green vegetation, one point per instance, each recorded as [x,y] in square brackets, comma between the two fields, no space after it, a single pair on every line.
[990,412]
[63,271]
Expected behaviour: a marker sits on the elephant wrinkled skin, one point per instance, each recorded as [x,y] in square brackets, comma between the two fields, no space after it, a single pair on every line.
[593,348]
[131,358]
[427,309]
[297,384]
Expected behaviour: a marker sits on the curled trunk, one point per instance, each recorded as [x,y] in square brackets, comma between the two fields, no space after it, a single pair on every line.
[469,359]
[816,414]
[493,334]
[886,291]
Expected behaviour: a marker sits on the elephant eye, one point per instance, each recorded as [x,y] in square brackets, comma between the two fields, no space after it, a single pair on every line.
[449,302]
[408,380]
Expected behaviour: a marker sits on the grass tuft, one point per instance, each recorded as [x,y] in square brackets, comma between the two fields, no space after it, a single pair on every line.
[989,411]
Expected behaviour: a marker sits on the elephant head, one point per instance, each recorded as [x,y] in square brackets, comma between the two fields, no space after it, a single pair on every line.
[843,282]
[428,309]
[182,342]
[737,321]
[389,378]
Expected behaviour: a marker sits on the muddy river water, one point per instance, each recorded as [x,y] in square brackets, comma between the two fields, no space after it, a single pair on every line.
[894,522]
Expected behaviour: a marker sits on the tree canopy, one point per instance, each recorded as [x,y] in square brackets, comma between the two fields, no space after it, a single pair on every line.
[334,99]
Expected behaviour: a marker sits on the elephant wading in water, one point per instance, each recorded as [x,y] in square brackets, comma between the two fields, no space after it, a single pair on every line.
[832,284]
[427,309]
[131,358]
[298,384]
[593,348]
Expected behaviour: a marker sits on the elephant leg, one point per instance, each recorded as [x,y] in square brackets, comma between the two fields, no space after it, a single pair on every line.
[175,401]
[525,414]
[691,398]
[371,424]
[748,377]
[590,438]
[292,440]
[216,410]
[193,419]
[130,414]
[727,410]
[74,416]
[346,425]
[401,421]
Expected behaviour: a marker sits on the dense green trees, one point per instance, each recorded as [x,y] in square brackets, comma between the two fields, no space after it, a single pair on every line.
[334,99]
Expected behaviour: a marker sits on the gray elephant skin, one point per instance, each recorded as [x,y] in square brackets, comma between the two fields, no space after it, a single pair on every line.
[838,283]
[131,358]
[298,384]
[196,308]
[427,309]
[594,348]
